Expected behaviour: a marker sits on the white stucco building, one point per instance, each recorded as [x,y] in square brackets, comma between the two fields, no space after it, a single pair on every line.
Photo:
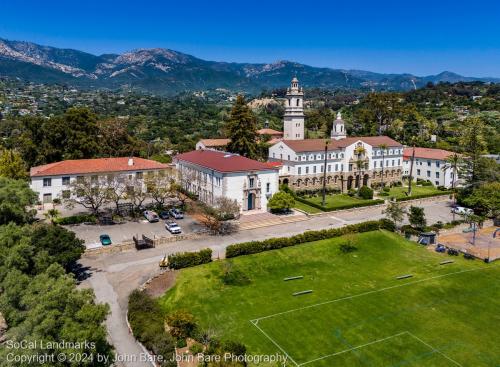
[211,174]
[348,161]
[53,180]
[430,164]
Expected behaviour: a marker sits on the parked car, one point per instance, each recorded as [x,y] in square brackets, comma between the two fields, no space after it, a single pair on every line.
[151,216]
[164,214]
[172,227]
[105,239]
[462,211]
[440,248]
[176,213]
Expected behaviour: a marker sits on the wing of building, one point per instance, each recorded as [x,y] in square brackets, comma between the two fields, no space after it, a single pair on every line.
[430,164]
[343,162]
[53,180]
[211,174]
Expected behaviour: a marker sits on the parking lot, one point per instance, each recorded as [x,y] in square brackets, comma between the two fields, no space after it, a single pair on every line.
[125,231]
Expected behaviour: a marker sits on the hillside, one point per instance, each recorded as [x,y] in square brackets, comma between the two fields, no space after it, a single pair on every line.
[168,72]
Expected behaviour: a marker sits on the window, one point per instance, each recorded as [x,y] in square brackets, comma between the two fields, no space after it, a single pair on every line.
[428,173]
[437,164]
[393,162]
[428,163]
[314,169]
[437,183]
[47,182]
[298,102]
[47,198]
[288,156]
[418,172]
[300,158]
[299,171]
[374,164]
[65,180]
[251,182]
[218,181]
[274,155]
[281,156]
[66,194]
[336,167]
[307,170]
[93,178]
[322,168]
[268,187]
[399,162]
[329,168]
[437,174]
[138,175]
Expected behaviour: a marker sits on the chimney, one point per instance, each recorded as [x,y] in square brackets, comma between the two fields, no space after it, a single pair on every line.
[131,161]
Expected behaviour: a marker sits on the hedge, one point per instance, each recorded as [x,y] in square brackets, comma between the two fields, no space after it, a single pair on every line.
[253,247]
[422,196]
[347,206]
[76,219]
[188,259]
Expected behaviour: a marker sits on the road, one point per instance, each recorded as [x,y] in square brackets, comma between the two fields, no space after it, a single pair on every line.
[114,275]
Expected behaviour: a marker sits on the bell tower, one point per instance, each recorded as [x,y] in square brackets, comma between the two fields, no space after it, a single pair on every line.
[338,128]
[293,124]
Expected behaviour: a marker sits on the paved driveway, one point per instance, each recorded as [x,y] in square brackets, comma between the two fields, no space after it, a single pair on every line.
[115,275]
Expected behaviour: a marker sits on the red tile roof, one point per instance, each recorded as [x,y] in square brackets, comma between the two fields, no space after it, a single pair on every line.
[269,132]
[222,161]
[215,142]
[315,145]
[98,165]
[427,153]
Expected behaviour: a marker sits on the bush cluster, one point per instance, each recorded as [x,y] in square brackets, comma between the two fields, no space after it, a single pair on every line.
[253,247]
[316,192]
[365,193]
[346,206]
[76,219]
[146,320]
[424,182]
[188,259]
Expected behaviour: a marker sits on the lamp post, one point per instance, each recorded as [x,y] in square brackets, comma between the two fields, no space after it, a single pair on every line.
[323,203]
[410,179]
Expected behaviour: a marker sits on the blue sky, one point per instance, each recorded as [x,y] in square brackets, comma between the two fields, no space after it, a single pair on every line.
[416,36]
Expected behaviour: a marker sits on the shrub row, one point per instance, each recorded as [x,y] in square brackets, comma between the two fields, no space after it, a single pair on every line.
[422,196]
[188,259]
[146,320]
[76,219]
[346,206]
[253,247]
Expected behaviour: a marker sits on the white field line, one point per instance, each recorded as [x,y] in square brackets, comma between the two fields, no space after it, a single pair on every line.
[371,292]
[272,341]
[434,349]
[351,349]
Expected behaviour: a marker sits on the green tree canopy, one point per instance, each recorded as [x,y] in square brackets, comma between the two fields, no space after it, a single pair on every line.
[15,197]
[281,201]
[242,130]
[12,165]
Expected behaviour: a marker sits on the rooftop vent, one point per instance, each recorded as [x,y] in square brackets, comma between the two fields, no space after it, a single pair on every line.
[131,161]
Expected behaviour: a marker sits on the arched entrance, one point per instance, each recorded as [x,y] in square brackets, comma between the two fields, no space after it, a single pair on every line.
[365,179]
[349,182]
[285,181]
[251,201]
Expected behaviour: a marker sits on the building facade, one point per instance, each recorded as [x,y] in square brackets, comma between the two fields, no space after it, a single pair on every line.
[53,181]
[430,164]
[344,162]
[212,174]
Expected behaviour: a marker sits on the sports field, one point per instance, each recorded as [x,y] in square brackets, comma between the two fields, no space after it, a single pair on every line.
[359,314]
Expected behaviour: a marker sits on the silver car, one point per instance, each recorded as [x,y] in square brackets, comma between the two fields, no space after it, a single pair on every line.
[172,227]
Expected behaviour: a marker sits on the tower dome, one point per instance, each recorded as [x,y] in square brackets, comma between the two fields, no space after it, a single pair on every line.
[338,128]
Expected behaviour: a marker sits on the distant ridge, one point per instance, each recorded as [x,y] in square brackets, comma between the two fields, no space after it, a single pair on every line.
[168,72]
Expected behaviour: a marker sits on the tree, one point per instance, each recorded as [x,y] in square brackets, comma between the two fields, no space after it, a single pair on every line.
[242,130]
[52,215]
[215,218]
[159,187]
[136,192]
[15,198]
[116,190]
[485,200]
[182,324]
[472,141]
[281,201]
[90,192]
[12,165]
[360,152]
[416,217]
[395,212]
[114,139]
[384,148]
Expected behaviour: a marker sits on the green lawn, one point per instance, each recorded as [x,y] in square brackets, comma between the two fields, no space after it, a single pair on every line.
[332,202]
[400,192]
[359,313]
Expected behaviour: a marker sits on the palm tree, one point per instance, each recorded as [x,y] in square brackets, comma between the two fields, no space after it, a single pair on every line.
[360,151]
[383,147]
[453,162]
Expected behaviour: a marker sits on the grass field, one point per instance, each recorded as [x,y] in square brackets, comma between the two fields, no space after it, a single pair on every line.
[332,202]
[400,192]
[359,313]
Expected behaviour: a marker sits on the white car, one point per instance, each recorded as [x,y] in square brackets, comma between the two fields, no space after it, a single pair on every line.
[172,227]
[462,211]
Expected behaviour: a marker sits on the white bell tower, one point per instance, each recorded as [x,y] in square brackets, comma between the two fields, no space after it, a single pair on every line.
[293,124]
[338,128]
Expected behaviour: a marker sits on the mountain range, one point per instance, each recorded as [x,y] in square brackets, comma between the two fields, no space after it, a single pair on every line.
[168,72]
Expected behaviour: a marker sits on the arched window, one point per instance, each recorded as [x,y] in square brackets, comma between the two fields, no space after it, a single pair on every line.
[298,102]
